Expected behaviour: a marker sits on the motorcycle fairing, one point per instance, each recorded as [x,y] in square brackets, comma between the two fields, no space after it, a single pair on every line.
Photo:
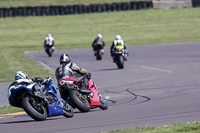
[95,99]
[53,89]
[119,47]
[17,88]
[55,109]
[70,78]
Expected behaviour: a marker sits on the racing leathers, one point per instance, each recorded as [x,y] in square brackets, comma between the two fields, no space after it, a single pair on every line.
[67,70]
[118,44]
[96,43]
[49,41]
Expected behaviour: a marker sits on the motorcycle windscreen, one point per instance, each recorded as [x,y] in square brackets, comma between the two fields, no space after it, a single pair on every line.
[55,109]
[95,99]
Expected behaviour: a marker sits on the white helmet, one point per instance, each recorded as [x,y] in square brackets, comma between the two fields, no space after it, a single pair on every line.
[49,35]
[118,37]
[99,36]
[20,75]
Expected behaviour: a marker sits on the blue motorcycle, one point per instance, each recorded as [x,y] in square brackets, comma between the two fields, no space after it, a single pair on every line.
[39,98]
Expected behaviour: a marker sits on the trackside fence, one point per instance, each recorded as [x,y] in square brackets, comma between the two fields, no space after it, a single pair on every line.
[78,9]
[196,3]
[73,9]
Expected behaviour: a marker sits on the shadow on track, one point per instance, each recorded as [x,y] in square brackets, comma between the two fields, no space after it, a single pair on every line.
[14,122]
[97,109]
[107,69]
[25,121]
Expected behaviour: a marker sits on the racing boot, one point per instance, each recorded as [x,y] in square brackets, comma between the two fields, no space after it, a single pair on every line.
[125,57]
[53,48]
[83,89]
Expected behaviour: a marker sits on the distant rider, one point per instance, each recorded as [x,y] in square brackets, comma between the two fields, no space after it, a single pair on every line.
[49,40]
[69,69]
[20,79]
[98,40]
[118,42]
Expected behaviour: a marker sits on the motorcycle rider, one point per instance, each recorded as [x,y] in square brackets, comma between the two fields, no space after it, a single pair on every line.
[20,79]
[98,40]
[118,42]
[49,40]
[69,69]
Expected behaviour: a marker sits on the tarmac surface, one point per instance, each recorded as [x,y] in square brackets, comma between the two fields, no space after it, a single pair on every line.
[158,86]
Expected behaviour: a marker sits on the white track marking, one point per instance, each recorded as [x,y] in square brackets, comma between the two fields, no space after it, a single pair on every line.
[157,69]
[46,66]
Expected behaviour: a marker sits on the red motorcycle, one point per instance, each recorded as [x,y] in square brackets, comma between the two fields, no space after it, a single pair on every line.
[83,99]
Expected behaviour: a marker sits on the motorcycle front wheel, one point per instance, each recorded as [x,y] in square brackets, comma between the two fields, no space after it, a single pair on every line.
[34,109]
[68,110]
[80,101]
[103,103]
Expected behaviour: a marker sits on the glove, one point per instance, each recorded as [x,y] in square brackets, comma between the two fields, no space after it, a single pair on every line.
[89,75]
[49,79]
[46,81]
[126,52]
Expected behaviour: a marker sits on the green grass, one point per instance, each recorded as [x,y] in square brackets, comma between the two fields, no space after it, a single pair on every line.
[16,3]
[176,128]
[151,26]
[9,109]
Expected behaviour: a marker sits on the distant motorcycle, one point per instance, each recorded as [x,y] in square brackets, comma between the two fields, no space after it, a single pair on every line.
[81,99]
[99,51]
[49,49]
[40,104]
[119,57]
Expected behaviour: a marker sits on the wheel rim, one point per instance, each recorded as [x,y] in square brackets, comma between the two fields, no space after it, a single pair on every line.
[102,100]
[36,106]
[67,108]
[82,98]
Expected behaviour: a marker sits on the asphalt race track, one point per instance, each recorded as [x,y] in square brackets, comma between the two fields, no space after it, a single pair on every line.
[159,85]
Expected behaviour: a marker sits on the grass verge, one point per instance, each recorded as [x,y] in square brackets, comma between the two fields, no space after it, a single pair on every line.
[9,109]
[175,128]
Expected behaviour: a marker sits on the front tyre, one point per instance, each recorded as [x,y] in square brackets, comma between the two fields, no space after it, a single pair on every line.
[34,109]
[68,110]
[103,103]
[79,100]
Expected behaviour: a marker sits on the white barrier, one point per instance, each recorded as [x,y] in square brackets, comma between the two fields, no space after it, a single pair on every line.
[166,4]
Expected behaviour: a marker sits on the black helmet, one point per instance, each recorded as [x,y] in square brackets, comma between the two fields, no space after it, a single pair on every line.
[65,58]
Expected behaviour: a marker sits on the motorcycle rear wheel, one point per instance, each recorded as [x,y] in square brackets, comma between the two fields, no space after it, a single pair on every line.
[120,62]
[38,113]
[99,55]
[82,104]
[49,51]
